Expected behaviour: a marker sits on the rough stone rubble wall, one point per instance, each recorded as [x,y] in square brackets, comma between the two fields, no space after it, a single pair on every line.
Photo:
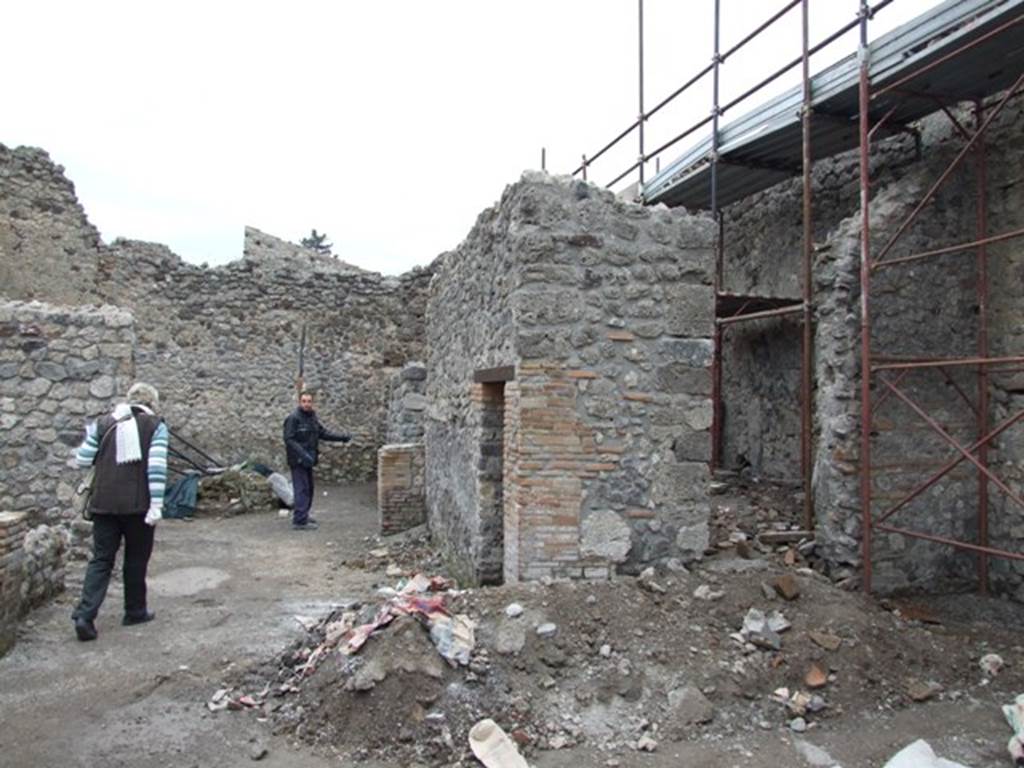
[761,359]
[469,327]
[401,463]
[222,344]
[12,534]
[927,308]
[407,404]
[59,368]
[1006,330]
[48,250]
[603,310]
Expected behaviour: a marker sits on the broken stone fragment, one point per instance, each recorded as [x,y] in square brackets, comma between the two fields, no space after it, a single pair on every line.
[513,609]
[825,640]
[919,691]
[646,743]
[787,586]
[777,622]
[705,592]
[690,706]
[547,629]
[816,677]
[257,752]
[991,664]
[510,637]
[763,631]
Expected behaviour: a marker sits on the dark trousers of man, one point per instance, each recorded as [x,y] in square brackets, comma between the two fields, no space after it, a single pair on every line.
[302,487]
[107,532]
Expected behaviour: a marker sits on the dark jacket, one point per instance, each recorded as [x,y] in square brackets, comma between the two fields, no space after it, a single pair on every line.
[122,489]
[302,435]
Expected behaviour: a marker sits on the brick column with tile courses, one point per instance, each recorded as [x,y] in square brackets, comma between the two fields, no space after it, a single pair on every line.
[400,487]
[12,533]
[551,455]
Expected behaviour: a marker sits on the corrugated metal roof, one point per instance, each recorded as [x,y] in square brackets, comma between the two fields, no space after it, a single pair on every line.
[765,146]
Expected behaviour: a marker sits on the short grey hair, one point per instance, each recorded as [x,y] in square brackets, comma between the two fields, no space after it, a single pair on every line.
[142,393]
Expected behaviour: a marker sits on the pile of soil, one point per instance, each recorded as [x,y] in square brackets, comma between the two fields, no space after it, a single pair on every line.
[632,664]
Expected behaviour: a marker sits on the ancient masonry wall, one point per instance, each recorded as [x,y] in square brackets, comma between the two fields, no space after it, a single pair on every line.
[401,492]
[585,323]
[222,344]
[407,404]
[47,247]
[924,308]
[761,359]
[12,534]
[59,368]
[401,462]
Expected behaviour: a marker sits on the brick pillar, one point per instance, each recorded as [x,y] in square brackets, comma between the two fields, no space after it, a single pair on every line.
[400,487]
[549,456]
[12,534]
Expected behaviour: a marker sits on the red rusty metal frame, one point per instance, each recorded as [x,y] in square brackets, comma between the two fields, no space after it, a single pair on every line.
[873,367]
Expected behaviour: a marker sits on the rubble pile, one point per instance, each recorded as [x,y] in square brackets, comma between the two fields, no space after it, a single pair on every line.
[626,666]
[235,491]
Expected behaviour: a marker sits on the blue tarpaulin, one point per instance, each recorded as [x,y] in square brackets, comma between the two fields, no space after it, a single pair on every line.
[180,498]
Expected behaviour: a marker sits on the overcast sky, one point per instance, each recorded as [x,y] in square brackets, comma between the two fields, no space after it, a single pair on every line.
[387,125]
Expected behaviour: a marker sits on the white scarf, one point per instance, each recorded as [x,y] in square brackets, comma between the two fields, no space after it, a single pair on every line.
[127,434]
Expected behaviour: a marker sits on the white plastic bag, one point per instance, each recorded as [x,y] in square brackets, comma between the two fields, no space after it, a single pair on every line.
[282,488]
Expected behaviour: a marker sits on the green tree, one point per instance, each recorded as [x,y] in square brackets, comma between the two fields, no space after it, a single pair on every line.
[317,241]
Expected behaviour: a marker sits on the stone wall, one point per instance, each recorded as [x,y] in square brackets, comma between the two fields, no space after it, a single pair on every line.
[401,492]
[1005,160]
[925,308]
[12,534]
[48,250]
[761,359]
[584,322]
[46,549]
[59,367]
[407,404]
[222,344]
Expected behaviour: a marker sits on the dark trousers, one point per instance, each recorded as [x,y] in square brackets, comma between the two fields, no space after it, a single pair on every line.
[107,532]
[302,487]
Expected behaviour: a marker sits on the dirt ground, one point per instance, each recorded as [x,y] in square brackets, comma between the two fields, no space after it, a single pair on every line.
[648,672]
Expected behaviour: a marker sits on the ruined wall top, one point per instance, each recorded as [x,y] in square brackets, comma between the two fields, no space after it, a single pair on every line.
[223,341]
[48,248]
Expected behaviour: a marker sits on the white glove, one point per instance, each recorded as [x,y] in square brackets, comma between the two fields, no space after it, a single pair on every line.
[155,513]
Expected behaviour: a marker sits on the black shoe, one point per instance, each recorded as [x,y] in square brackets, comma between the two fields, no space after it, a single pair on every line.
[131,621]
[85,629]
[309,525]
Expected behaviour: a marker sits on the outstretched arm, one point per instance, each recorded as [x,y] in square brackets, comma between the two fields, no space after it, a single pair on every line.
[332,437]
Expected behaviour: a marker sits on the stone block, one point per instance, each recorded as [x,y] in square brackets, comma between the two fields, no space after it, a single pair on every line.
[689,311]
[605,535]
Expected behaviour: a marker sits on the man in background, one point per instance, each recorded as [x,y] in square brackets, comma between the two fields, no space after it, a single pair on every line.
[302,435]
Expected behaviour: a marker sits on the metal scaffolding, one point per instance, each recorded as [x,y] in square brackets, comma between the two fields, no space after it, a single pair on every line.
[961,50]
[920,84]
